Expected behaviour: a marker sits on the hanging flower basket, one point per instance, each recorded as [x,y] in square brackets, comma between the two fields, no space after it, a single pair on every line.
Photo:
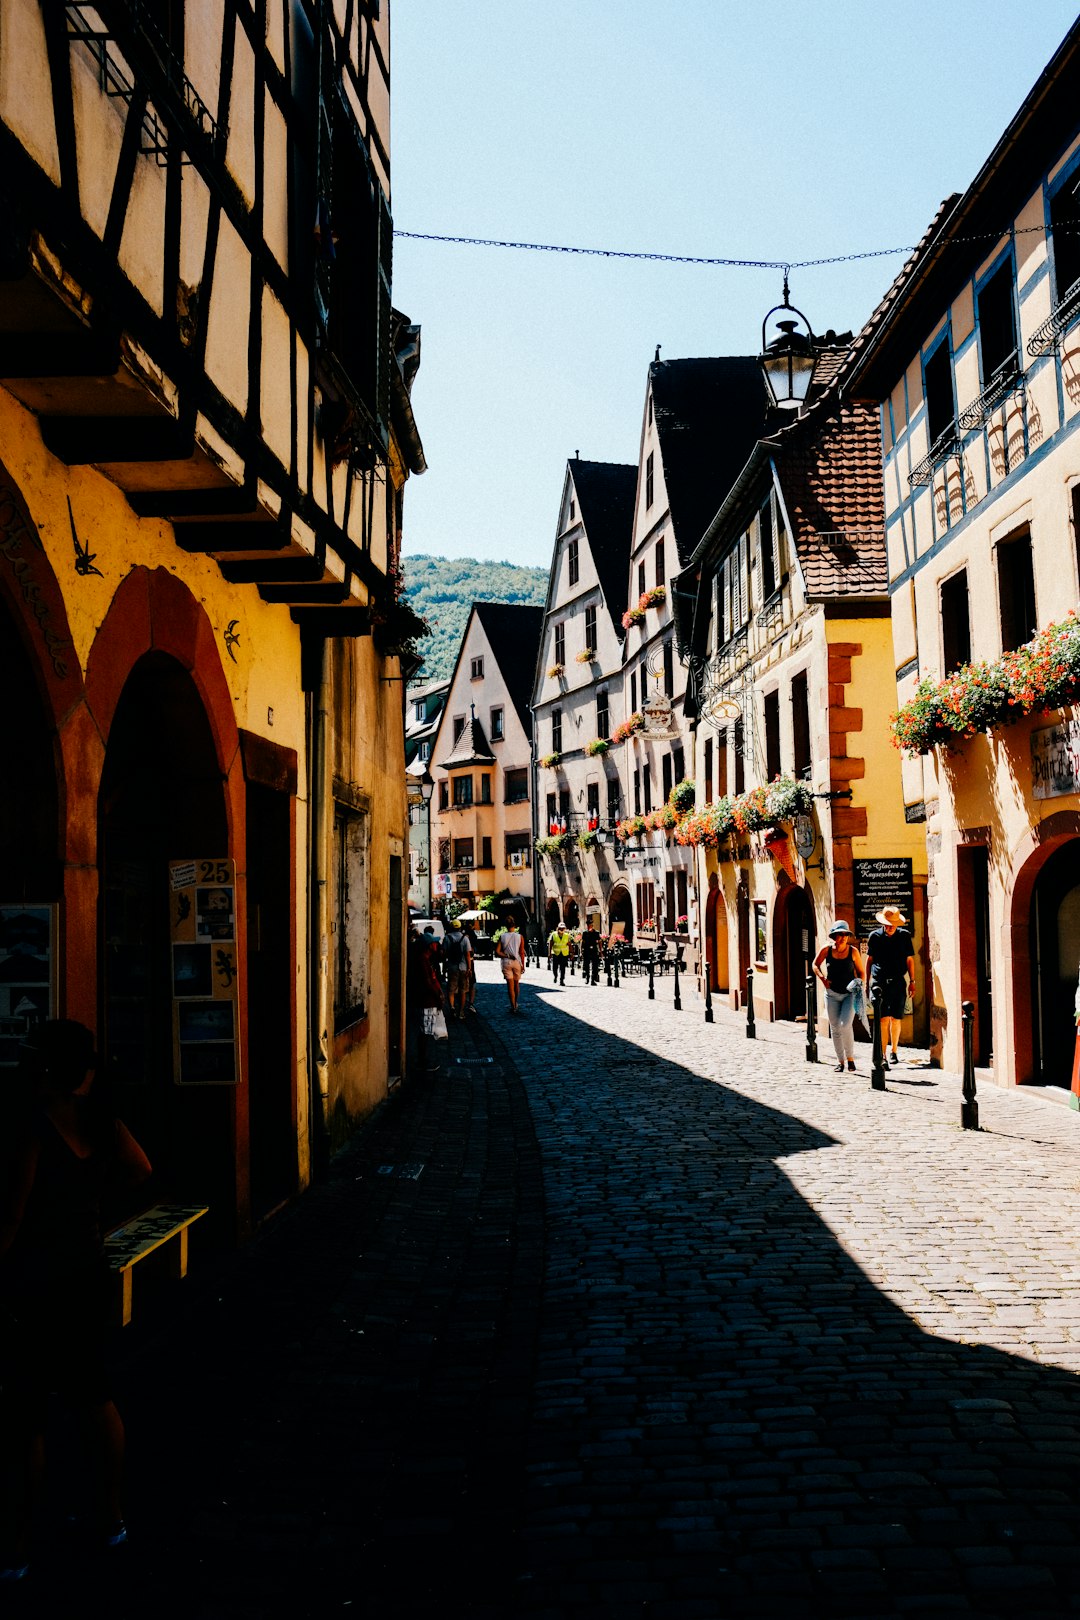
[628,727]
[634,615]
[555,670]
[586,655]
[598,746]
[549,761]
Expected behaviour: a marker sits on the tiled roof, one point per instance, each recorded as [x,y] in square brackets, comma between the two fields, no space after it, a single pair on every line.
[829,466]
[605,492]
[709,415]
[513,632]
[471,747]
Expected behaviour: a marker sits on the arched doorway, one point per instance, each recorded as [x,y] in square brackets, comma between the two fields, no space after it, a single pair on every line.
[794,936]
[571,913]
[1055,964]
[717,952]
[552,914]
[31,876]
[161,799]
[621,910]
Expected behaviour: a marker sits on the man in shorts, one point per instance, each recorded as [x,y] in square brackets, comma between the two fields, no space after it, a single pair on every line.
[457,955]
[512,960]
[890,957]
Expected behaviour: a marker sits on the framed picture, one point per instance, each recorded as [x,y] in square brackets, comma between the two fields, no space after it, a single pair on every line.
[761,933]
[27,974]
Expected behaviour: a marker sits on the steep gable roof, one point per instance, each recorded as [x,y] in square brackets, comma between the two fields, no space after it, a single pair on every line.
[605,492]
[829,468]
[513,631]
[709,414]
[471,748]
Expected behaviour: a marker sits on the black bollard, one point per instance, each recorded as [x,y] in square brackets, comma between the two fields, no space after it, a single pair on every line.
[678,998]
[708,994]
[652,986]
[811,1018]
[616,970]
[607,964]
[877,1068]
[596,968]
[969,1108]
[751,1028]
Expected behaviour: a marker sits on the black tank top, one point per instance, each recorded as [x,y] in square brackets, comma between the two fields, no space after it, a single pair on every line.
[841,971]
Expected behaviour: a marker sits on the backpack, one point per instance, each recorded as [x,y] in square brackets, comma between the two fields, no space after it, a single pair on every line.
[454,951]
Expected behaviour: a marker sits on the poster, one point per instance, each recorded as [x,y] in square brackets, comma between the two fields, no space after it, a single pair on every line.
[881,883]
[205,987]
[27,974]
[761,933]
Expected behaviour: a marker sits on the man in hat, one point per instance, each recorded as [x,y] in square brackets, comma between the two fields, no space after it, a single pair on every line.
[890,956]
[559,947]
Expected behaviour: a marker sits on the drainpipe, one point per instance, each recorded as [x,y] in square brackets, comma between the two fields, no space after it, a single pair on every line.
[319,802]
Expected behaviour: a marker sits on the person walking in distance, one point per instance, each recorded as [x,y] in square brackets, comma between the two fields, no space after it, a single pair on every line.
[890,955]
[470,991]
[559,946]
[512,960]
[840,968]
[590,953]
[457,954]
[63,1158]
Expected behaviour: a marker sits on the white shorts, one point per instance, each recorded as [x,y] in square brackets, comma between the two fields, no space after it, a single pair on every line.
[511,969]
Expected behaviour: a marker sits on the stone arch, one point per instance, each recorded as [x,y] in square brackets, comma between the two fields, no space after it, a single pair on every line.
[1030,857]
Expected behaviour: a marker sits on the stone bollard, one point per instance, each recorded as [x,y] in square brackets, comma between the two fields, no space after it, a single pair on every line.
[811,1018]
[969,1108]
[877,1068]
[751,1027]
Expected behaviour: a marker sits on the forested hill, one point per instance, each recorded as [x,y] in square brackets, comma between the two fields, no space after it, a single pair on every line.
[443,589]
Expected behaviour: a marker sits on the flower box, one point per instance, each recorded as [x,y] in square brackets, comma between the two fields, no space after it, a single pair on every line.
[549,761]
[555,670]
[586,655]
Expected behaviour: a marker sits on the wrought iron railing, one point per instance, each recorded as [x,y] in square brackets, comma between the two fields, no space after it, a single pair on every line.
[945,445]
[1005,380]
[1045,338]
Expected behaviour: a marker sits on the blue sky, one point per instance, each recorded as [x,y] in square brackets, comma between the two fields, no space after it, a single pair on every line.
[787,131]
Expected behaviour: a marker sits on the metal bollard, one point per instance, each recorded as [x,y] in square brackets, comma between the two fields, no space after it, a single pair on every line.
[616,970]
[678,998]
[969,1108]
[877,1068]
[607,964]
[708,994]
[751,1028]
[652,986]
[811,1018]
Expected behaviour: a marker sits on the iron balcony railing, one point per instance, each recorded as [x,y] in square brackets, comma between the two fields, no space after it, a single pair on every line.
[1005,380]
[1045,338]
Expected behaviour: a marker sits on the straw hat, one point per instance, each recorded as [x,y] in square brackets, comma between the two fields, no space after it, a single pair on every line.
[891,916]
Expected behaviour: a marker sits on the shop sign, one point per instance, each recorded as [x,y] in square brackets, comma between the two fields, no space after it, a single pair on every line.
[637,857]
[1055,760]
[657,717]
[805,837]
[442,883]
[205,986]
[880,883]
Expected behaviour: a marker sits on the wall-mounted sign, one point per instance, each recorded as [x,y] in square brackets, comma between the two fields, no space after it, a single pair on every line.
[878,884]
[442,883]
[1055,760]
[805,837]
[657,717]
[206,996]
[761,933]
[27,974]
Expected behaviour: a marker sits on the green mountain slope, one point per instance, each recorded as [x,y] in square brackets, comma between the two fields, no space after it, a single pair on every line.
[443,589]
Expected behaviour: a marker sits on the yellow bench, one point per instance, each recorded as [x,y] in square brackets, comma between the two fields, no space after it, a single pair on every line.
[132,1242]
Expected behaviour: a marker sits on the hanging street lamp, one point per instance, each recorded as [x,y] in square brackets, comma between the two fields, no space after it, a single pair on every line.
[788,360]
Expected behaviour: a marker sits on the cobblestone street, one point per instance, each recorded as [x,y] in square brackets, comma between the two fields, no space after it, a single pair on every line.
[624,1314]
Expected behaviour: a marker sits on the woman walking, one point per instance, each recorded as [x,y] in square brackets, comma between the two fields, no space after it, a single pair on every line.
[840,968]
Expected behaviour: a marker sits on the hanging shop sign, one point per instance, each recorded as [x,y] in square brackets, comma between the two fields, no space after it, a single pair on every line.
[442,883]
[206,997]
[27,974]
[657,718]
[1055,760]
[805,837]
[878,884]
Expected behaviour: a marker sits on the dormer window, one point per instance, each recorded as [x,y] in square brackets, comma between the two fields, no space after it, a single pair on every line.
[418,711]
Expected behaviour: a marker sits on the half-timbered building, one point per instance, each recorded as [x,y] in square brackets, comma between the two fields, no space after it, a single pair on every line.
[205,430]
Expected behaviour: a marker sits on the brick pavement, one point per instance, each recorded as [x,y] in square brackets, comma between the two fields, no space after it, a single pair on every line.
[668,1325]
